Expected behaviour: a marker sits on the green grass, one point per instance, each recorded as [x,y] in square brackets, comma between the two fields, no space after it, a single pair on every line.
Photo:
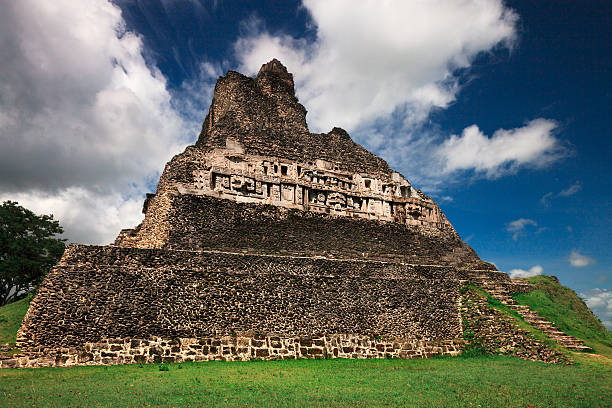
[568,312]
[11,316]
[438,382]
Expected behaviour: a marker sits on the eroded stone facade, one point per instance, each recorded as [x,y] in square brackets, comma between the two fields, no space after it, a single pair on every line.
[263,240]
[318,186]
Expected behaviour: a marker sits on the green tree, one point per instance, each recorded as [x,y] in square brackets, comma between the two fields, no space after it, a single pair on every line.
[28,249]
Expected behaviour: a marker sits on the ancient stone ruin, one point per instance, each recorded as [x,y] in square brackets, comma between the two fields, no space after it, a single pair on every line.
[264,240]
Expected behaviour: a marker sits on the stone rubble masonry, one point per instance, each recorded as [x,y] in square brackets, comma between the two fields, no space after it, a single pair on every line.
[230,348]
[263,240]
[265,117]
[116,292]
[201,223]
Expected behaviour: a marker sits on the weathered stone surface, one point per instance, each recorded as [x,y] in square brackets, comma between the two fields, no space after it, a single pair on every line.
[156,350]
[263,240]
[255,148]
[113,292]
[201,223]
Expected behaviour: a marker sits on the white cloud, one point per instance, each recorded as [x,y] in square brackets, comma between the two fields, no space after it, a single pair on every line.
[369,58]
[600,302]
[86,123]
[545,200]
[378,69]
[531,145]
[521,273]
[578,260]
[86,216]
[518,227]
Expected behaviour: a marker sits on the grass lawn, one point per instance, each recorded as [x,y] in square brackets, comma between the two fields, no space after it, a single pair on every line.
[439,382]
[11,316]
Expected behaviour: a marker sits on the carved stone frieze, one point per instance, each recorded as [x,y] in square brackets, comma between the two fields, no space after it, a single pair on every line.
[317,186]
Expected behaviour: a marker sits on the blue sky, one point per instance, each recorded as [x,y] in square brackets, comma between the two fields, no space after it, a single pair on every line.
[499,110]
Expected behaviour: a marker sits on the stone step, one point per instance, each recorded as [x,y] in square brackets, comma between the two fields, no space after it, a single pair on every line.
[580,348]
[530,314]
[554,332]
[499,294]
[570,343]
[549,329]
[534,318]
[537,320]
[565,340]
[542,326]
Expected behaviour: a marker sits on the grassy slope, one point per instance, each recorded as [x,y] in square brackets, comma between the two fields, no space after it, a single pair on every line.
[568,312]
[11,316]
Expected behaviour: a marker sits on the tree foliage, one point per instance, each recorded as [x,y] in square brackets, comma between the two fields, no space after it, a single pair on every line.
[28,249]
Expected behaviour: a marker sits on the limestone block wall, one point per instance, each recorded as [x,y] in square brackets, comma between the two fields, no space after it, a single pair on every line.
[113,292]
[231,348]
[202,223]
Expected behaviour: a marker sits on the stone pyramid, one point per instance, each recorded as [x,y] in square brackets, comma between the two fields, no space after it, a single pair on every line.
[264,240]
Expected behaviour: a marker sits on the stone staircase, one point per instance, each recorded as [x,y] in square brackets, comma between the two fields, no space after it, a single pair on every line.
[501,291]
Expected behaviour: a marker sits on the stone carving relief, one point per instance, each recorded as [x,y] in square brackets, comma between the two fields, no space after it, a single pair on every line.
[320,187]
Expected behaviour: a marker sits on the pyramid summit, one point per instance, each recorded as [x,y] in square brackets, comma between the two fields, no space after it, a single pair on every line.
[255,148]
[264,240]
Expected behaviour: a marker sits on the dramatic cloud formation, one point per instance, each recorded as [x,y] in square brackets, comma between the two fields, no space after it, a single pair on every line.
[85,122]
[578,260]
[378,70]
[86,215]
[370,57]
[600,302]
[518,227]
[521,273]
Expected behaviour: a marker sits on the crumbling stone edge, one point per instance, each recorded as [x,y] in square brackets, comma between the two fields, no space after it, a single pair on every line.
[231,348]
